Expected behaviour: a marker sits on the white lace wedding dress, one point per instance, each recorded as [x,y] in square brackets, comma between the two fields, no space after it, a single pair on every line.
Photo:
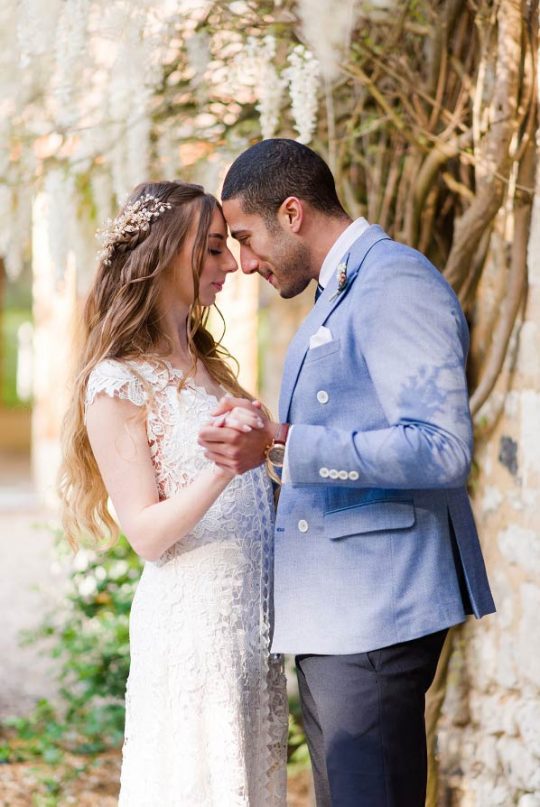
[206,708]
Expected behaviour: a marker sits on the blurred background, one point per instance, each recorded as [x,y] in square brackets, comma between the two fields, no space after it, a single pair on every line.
[427,112]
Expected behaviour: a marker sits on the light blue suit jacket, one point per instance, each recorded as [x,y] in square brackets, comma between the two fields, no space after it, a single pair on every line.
[378,461]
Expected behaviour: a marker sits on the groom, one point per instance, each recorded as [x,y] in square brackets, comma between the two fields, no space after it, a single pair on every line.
[376,551]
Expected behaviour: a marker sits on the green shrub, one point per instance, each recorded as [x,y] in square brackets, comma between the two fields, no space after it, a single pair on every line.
[90,638]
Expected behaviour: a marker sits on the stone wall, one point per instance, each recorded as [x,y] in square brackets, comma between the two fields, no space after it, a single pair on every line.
[489,737]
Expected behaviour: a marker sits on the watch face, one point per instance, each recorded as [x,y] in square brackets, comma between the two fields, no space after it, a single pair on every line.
[276,454]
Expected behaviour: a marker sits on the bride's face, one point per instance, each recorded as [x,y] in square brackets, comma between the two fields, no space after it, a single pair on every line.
[218,263]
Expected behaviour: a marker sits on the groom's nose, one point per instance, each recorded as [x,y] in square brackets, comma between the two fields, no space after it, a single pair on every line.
[249,265]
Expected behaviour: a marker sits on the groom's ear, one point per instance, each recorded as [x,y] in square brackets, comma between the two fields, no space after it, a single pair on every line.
[291,214]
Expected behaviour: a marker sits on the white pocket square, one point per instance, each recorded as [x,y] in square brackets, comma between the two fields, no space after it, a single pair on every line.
[321,337]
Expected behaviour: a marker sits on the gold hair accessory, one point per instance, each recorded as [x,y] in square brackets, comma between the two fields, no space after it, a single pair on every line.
[135,217]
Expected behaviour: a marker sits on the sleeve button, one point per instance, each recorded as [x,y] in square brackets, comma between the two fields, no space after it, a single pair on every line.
[354,475]
[324,472]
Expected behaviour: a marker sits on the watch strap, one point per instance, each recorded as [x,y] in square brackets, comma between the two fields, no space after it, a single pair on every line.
[281,434]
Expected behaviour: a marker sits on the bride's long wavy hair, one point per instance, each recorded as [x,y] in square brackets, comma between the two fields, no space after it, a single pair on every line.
[122,321]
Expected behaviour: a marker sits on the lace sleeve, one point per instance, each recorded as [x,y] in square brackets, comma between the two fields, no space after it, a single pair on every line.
[116,380]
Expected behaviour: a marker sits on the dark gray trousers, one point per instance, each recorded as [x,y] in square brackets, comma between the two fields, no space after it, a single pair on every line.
[364,722]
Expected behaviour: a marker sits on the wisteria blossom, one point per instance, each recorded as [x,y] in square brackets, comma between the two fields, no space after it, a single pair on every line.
[327,26]
[59,188]
[302,76]
[256,67]
[70,44]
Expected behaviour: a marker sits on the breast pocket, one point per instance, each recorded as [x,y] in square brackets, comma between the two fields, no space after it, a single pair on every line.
[320,352]
[373,516]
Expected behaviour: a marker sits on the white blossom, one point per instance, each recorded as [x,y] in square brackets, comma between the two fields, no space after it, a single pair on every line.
[70,54]
[302,76]
[59,188]
[255,67]
[327,26]
[15,226]
[87,586]
[36,22]
[82,560]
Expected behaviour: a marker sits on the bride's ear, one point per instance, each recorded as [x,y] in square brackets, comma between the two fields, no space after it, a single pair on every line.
[291,214]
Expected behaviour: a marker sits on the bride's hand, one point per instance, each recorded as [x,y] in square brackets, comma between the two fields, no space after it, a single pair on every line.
[229,403]
[226,443]
[241,419]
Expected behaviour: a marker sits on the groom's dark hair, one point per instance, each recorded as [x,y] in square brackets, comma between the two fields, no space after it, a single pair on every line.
[270,171]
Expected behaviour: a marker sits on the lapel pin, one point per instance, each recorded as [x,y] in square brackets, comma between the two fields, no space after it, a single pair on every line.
[342,279]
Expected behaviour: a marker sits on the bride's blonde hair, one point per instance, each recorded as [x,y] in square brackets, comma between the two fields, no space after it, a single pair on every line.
[121,321]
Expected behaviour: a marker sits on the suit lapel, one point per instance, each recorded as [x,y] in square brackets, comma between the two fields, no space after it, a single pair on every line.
[326,303]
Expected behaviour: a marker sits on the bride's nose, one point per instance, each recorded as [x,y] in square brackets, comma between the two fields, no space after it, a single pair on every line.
[231,264]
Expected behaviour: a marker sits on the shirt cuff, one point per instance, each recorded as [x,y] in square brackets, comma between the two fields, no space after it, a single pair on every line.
[285,474]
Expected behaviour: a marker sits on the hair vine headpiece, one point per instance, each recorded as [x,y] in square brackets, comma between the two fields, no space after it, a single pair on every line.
[135,217]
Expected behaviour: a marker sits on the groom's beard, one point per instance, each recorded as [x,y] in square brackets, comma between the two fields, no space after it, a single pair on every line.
[292,263]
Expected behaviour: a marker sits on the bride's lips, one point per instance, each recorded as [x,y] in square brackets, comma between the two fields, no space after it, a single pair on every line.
[217,286]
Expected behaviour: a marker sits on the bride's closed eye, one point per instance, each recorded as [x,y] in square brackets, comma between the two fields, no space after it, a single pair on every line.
[215,251]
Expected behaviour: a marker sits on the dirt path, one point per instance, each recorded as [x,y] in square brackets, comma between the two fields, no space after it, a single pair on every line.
[34,785]
[30,582]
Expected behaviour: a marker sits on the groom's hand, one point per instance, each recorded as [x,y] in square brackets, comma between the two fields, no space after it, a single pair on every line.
[229,446]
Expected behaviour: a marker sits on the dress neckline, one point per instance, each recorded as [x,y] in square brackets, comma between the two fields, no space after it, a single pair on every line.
[191,384]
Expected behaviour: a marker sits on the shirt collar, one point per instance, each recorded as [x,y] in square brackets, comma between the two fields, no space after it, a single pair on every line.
[339,248]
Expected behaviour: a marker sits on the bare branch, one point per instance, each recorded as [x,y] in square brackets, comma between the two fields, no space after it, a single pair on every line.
[516,285]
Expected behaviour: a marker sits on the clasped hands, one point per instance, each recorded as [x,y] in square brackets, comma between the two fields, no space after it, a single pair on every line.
[238,436]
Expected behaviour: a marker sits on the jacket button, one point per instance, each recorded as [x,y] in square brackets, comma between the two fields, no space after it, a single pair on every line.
[322,396]
[354,475]
[303,526]
[323,472]
[343,475]
[332,473]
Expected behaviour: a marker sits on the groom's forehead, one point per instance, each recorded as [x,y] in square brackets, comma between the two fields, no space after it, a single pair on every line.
[240,222]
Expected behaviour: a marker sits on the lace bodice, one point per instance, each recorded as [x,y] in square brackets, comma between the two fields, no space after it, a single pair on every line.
[173,419]
[206,711]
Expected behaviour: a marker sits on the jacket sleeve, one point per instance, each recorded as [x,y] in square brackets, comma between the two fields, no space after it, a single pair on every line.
[413,336]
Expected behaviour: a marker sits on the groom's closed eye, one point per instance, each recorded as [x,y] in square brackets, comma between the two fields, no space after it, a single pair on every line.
[240,235]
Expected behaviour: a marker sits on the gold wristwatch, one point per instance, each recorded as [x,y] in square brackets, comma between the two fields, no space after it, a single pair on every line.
[275,453]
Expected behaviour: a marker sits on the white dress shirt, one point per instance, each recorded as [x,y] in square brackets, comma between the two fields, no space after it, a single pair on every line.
[339,248]
[336,252]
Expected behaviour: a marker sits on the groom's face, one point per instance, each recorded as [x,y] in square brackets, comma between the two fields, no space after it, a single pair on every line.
[270,250]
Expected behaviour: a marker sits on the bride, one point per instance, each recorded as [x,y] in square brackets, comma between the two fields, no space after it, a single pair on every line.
[206,710]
